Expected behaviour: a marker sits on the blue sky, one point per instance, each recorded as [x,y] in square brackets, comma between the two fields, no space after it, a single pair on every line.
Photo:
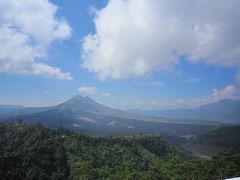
[123,54]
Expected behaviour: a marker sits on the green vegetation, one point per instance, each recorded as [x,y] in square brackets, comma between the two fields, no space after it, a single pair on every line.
[30,152]
[223,137]
[35,152]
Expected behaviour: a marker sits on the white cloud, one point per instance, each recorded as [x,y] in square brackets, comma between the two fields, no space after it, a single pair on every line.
[229,92]
[106,94]
[87,90]
[27,29]
[137,37]
[92,90]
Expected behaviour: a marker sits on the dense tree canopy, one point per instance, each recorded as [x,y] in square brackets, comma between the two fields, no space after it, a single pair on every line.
[35,152]
[225,136]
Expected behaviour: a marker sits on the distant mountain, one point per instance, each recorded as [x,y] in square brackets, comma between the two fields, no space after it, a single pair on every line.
[75,108]
[77,104]
[83,113]
[226,111]
[9,108]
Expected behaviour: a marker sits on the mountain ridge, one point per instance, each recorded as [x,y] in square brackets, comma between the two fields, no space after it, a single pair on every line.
[85,114]
[226,111]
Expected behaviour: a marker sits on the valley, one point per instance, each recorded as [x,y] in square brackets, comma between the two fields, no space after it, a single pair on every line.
[85,115]
[81,138]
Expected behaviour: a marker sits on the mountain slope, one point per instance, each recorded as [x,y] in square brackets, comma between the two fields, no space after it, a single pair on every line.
[83,113]
[222,137]
[226,111]
[77,106]
[209,143]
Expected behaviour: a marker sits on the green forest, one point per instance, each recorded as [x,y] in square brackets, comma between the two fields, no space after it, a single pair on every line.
[225,136]
[34,152]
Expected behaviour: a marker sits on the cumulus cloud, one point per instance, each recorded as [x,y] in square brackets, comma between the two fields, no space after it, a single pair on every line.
[229,92]
[92,90]
[27,29]
[87,90]
[134,38]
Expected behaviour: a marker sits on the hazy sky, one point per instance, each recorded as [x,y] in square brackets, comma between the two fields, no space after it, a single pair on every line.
[123,53]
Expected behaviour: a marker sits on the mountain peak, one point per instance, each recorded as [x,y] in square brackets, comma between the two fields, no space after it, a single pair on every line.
[80,99]
[79,104]
[76,97]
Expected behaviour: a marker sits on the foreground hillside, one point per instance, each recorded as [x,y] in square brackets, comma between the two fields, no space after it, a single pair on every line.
[210,142]
[226,136]
[35,152]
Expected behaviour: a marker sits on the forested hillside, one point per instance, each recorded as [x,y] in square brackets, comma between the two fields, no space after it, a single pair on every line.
[35,152]
[223,137]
